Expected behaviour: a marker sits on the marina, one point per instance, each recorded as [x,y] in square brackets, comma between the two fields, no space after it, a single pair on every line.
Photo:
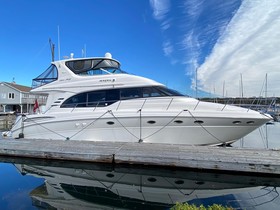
[113,138]
[120,105]
[124,123]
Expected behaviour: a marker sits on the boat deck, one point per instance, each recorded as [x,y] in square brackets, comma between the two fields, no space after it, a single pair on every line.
[232,160]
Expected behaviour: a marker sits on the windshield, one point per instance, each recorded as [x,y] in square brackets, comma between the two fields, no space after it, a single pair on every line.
[97,66]
[46,77]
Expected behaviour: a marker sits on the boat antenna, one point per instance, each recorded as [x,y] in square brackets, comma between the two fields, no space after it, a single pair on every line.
[58,41]
[84,51]
[52,48]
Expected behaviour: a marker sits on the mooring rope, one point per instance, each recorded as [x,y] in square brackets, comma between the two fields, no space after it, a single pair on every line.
[122,125]
[116,118]
[65,137]
[89,124]
[18,119]
[177,188]
[39,124]
[164,125]
[220,141]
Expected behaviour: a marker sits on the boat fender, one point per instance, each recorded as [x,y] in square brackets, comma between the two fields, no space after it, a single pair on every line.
[21,136]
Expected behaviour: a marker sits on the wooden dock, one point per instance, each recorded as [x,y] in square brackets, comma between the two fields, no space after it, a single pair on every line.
[224,159]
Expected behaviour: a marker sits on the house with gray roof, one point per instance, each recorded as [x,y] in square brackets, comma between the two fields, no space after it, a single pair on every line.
[18,98]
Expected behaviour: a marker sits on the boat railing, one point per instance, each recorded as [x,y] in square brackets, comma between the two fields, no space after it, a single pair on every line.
[143,103]
[137,104]
[158,103]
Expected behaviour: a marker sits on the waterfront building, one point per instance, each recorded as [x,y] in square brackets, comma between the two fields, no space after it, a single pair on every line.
[18,98]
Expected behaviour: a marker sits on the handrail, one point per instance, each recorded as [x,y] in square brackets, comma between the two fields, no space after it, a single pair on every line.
[106,103]
[164,103]
[142,104]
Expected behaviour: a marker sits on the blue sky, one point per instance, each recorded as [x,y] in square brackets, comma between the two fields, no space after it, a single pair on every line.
[165,40]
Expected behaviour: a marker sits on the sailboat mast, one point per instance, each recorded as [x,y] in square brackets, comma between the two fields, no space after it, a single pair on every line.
[266,85]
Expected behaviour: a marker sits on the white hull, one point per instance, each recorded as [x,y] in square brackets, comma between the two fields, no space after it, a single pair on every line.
[169,126]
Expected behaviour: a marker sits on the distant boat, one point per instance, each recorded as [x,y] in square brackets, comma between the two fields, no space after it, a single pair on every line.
[92,99]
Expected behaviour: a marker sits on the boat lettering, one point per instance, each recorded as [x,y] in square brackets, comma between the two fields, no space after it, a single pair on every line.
[107,80]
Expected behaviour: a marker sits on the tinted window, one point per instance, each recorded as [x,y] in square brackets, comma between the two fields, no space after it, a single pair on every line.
[97,98]
[75,101]
[106,97]
[131,93]
[112,95]
[152,92]
[93,99]
[169,92]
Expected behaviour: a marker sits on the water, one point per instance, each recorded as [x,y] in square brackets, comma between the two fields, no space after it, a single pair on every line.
[266,136]
[33,184]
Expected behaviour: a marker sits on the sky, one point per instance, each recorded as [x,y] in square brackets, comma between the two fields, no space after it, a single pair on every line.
[199,47]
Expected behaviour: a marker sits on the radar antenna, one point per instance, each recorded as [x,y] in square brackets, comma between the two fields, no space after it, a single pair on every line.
[52,48]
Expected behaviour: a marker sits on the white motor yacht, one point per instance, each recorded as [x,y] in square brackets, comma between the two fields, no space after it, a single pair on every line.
[92,99]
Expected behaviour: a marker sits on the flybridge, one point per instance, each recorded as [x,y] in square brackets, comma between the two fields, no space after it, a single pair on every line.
[89,66]
[81,67]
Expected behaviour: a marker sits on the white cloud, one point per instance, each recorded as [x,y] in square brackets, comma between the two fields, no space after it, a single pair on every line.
[249,46]
[193,8]
[191,44]
[160,8]
[167,48]
[160,13]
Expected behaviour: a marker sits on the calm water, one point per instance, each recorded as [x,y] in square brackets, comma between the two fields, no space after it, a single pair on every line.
[31,184]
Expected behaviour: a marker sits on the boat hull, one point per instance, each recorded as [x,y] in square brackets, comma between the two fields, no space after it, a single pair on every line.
[170,127]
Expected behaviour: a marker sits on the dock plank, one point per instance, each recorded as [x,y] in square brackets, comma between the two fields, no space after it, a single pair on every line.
[261,161]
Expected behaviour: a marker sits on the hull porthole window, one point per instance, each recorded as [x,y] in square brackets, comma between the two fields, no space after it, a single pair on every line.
[110,175]
[198,122]
[250,122]
[199,182]
[110,123]
[236,122]
[151,122]
[152,179]
[178,121]
[179,182]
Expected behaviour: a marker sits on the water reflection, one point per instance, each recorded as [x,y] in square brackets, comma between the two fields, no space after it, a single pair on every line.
[266,136]
[90,186]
